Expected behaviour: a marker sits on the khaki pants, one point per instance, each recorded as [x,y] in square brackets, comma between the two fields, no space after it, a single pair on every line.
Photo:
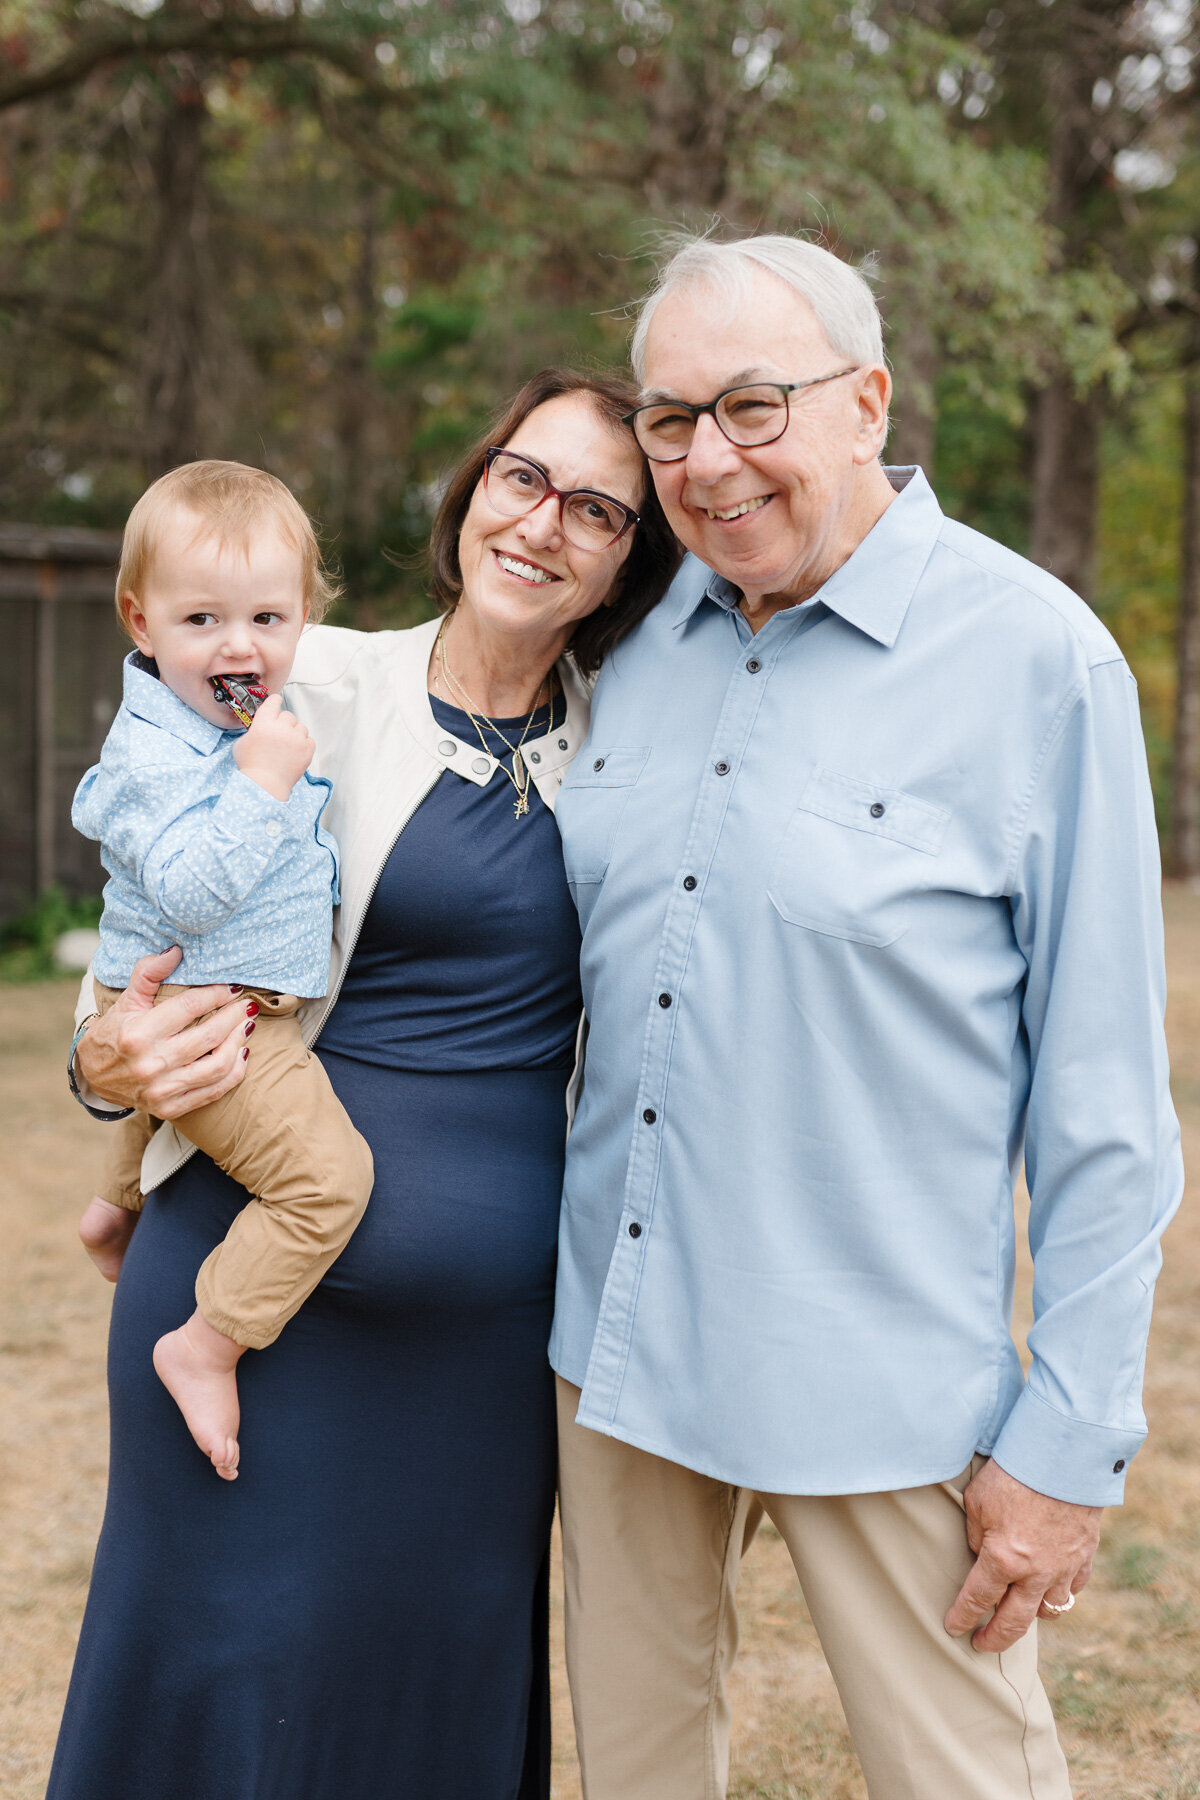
[650,1558]
[284,1136]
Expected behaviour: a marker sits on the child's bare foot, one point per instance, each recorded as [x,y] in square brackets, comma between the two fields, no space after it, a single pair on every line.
[197,1365]
[105,1231]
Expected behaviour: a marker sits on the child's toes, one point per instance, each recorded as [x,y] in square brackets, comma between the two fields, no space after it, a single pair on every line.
[225,1459]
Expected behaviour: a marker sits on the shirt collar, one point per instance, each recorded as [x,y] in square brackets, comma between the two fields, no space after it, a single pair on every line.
[147,697]
[874,586]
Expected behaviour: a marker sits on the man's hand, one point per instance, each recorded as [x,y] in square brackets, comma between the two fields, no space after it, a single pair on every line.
[168,1059]
[1028,1549]
[275,750]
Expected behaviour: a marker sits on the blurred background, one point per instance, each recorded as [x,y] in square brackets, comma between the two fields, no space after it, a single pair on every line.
[327,236]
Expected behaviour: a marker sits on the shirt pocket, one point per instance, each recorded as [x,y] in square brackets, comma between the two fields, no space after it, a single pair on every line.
[852,856]
[590,806]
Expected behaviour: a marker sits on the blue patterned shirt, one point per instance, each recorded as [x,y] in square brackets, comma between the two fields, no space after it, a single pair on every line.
[201,856]
[870,910]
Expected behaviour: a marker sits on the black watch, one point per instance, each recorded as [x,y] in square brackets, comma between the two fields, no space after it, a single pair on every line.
[108,1118]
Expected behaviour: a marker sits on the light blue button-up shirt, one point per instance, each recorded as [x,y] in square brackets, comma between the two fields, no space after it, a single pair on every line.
[871,910]
[201,856]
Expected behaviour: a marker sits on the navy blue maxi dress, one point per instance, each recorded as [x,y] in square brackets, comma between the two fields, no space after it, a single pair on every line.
[362,1615]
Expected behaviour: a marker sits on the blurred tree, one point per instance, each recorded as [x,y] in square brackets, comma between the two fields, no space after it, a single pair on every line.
[330,236]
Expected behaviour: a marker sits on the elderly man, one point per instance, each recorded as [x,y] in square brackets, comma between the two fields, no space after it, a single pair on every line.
[864,851]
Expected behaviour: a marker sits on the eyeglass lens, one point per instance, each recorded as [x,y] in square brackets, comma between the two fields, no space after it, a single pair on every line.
[749,415]
[590,521]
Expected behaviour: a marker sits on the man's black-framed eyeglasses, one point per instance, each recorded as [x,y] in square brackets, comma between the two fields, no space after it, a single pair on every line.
[747,416]
[590,520]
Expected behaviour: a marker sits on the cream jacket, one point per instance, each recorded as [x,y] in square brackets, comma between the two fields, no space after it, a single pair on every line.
[363,697]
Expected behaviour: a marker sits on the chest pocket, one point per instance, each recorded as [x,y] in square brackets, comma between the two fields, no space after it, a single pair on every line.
[590,806]
[852,857]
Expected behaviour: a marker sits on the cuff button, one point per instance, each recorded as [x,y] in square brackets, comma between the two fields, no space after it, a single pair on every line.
[1118,1465]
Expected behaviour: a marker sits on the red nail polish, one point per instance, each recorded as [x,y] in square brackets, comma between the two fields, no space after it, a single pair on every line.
[249,1028]
[245,1052]
[235,987]
[252,1009]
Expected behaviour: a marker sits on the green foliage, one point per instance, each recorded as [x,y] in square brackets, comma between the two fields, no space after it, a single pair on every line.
[408,208]
[27,943]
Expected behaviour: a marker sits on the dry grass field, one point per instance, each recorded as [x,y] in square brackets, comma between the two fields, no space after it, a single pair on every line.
[1124,1669]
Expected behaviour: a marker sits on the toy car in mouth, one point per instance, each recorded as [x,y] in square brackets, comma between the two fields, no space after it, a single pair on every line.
[243,698]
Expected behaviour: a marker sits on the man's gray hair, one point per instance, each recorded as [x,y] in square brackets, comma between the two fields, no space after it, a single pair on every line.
[839,295]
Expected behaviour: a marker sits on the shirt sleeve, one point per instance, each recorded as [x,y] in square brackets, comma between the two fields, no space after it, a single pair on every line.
[1102,1155]
[196,856]
[211,857]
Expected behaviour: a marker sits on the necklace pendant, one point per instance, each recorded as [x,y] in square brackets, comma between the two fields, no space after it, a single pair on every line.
[521,807]
[519,767]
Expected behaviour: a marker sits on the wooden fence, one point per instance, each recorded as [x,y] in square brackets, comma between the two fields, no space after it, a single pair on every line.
[63,687]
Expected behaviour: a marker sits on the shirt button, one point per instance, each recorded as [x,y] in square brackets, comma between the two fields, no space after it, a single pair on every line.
[1118,1465]
[481,765]
[562,743]
[447,747]
[598,764]
[273,828]
[753,666]
[535,756]
[722,768]
[649,1115]
[878,810]
[664,999]
[689,882]
[635,1229]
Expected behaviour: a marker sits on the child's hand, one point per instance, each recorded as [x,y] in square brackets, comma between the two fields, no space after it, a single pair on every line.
[275,750]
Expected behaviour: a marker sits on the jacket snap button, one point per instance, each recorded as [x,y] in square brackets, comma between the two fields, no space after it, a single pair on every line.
[481,765]
[562,743]
[447,748]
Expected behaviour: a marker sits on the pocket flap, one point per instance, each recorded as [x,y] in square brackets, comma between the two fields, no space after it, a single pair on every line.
[882,811]
[596,767]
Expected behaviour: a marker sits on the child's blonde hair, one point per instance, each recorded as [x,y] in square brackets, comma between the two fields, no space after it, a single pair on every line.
[231,500]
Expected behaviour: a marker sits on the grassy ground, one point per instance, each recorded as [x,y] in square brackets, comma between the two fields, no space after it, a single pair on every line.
[1123,1670]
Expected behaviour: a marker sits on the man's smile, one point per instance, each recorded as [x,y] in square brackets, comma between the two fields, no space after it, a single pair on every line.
[739,509]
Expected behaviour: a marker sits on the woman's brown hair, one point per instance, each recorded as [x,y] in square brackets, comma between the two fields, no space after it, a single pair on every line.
[654,554]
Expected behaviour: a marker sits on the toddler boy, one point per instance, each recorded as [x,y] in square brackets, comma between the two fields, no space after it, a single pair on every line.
[210,832]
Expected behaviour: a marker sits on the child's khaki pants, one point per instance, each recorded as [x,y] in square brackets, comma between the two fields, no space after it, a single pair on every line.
[284,1136]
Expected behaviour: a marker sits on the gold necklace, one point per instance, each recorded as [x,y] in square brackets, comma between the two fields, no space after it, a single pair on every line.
[520,776]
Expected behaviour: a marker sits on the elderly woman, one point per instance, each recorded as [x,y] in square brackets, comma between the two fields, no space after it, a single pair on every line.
[363,1614]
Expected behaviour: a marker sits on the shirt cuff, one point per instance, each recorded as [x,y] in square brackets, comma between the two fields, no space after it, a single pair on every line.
[1065,1458]
[246,812]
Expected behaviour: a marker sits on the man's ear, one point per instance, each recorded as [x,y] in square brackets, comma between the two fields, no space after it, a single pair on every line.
[135,620]
[873,397]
